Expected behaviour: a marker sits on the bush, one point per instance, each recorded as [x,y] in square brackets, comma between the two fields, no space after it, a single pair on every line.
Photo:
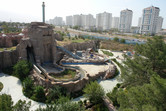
[113,96]
[116,39]
[1,86]
[122,41]
[108,53]
[63,104]
[55,93]
[22,69]
[22,106]
[28,87]
[99,107]
[94,92]
[39,94]
[6,103]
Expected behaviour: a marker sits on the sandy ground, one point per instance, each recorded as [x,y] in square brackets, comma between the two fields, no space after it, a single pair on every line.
[93,69]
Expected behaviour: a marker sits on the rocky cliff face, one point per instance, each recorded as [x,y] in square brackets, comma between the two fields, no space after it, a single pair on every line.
[8,58]
[81,46]
[9,41]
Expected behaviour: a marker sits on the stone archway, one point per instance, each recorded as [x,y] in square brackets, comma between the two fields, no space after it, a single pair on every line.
[30,54]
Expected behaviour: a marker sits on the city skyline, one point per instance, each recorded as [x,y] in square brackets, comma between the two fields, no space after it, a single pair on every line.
[28,11]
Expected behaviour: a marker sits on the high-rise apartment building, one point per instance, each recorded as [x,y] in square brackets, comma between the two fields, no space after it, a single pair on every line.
[89,21]
[139,21]
[149,20]
[58,21]
[159,24]
[84,21]
[76,20]
[115,22]
[103,21]
[69,20]
[125,20]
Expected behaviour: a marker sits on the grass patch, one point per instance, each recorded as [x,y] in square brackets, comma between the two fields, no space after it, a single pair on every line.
[115,46]
[67,74]
[8,49]
[70,40]
[121,67]
[1,86]
[108,53]
[79,40]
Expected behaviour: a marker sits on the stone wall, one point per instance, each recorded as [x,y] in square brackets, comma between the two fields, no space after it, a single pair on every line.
[8,58]
[9,41]
[71,86]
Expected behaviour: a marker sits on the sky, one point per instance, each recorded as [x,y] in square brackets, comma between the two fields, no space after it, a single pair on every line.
[31,10]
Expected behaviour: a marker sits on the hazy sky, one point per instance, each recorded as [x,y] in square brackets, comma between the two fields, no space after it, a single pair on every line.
[31,10]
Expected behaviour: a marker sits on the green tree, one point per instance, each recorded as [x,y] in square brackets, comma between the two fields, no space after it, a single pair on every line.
[28,87]
[122,41]
[116,39]
[63,104]
[22,106]
[55,93]
[39,94]
[150,58]
[6,103]
[149,96]
[22,69]
[94,92]
[155,52]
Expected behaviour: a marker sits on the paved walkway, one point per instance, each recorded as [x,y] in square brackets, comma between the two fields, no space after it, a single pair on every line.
[13,87]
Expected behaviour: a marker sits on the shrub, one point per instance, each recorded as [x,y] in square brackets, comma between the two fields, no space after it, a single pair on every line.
[1,86]
[122,41]
[28,87]
[39,94]
[6,103]
[55,93]
[22,69]
[94,92]
[116,39]
[22,106]
[108,53]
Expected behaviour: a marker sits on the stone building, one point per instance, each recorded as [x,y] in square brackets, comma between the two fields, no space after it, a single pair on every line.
[39,43]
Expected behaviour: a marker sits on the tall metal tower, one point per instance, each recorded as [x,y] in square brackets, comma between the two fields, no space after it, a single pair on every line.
[43,6]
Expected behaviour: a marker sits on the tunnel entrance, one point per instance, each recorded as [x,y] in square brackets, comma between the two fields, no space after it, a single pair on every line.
[30,54]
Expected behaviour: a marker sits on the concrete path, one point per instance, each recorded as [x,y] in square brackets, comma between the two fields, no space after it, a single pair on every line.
[13,87]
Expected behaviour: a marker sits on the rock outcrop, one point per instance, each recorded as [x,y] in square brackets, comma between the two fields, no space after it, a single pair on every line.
[9,41]
[81,46]
[8,58]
